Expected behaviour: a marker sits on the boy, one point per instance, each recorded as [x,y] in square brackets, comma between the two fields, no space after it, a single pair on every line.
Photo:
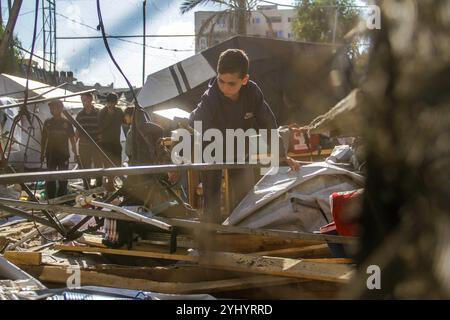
[110,120]
[56,133]
[232,101]
[88,119]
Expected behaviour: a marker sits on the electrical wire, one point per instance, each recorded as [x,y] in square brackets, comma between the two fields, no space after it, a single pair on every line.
[101,27]
[123,40]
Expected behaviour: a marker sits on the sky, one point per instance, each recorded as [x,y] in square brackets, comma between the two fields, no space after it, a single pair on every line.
[88,59]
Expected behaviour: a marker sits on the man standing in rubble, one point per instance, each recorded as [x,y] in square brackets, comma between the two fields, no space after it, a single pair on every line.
[110,120]
[88,119]
[232,101]
[56,134]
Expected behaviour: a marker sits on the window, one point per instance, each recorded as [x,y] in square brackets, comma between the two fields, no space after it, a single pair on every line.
[289,35]
[256,20]
[221,22]
[275,19]
[202,43]
[290,19]
[279,34]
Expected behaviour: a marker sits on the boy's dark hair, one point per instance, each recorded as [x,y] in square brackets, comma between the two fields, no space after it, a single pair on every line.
[56,103]
[112,97]
[233,61]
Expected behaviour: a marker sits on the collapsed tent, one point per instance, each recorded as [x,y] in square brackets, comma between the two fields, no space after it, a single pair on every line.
[300,80]
[294,201]
[25,152]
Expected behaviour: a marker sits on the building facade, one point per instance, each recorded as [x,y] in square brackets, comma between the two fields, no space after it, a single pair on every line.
[266,21]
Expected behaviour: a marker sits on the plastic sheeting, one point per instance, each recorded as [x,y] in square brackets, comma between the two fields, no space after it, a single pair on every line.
[294,200]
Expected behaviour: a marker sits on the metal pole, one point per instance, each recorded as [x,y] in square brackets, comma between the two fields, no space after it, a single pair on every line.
[143,41]
[44,32]
[54,35]
[335,23]
[135,216]
[116,172]
[9,203]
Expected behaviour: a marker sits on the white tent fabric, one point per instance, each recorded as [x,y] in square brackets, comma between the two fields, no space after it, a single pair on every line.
[6,121]
[175,80]
[29,157]
[10,83]
[294,200]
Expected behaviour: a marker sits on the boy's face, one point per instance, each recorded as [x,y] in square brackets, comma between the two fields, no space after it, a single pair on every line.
[230,84]
[86,100]
[56,110]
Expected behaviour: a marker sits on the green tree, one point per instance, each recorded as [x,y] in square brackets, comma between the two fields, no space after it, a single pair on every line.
[10,62]
[324,20]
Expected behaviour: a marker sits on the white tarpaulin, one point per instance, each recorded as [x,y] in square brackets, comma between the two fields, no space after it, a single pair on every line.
[294,200]
[26,149]
[175,80]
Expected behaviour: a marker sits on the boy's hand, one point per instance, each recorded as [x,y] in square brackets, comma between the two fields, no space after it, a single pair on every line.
[293,164]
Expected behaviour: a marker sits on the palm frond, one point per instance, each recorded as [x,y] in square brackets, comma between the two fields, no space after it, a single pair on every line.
[211,21]
[188,5]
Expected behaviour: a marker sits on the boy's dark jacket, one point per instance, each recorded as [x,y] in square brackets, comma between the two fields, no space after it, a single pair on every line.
[250,111]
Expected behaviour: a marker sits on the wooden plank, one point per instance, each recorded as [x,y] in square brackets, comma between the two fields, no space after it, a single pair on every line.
[131,253]
[91,240]
[298,235]
[242,243]
[320,250]
[55,274]
[24,257]
[334,272]
[286,267]
[331,260]
[249,243]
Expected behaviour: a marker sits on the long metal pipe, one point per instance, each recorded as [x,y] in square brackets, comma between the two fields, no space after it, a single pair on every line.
[7,204]
[115,172]
[135,216]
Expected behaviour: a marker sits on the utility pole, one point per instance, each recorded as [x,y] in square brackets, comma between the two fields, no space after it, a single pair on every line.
[335,22]
[14,13]
[49,34]
[143,41]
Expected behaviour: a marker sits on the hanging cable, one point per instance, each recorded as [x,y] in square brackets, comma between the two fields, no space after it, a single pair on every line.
[119,38]
[101,27]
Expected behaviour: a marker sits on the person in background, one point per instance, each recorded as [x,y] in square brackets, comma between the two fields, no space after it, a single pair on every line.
[110,120]
[88,119]
[56,134]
